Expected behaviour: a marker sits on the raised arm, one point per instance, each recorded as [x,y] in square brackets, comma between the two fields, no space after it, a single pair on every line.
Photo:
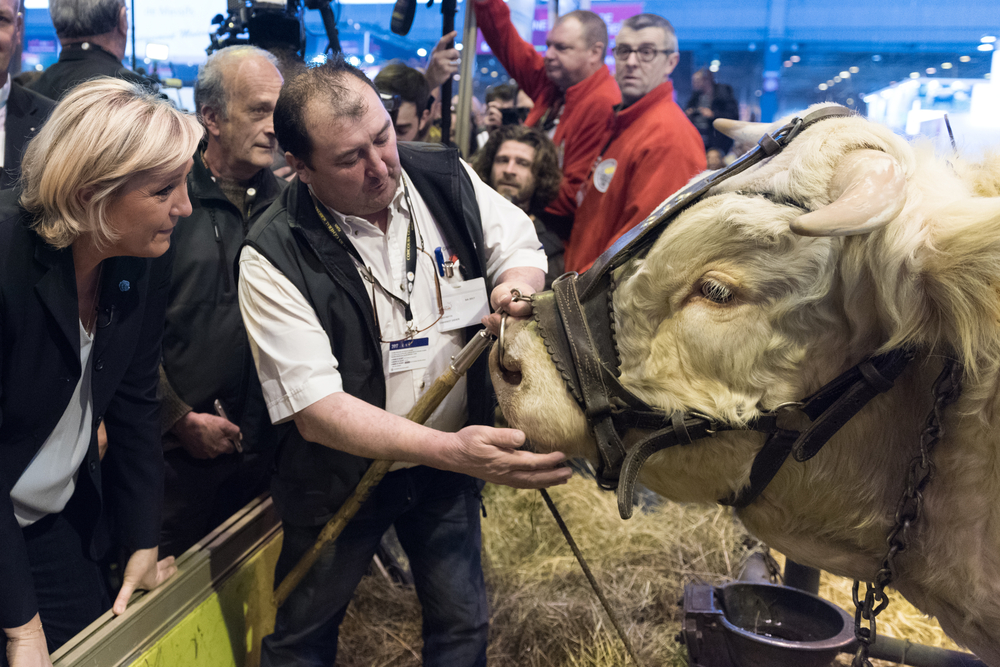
[517,56]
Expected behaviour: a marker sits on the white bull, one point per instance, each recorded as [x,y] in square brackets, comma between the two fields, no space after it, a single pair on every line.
[745,302]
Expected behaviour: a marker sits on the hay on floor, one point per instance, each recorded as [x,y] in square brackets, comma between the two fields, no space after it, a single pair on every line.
[543,613]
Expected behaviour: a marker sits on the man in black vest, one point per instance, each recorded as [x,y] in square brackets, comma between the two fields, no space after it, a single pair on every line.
[356,287]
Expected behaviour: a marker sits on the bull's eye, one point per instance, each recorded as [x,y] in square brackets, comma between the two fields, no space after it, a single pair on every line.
[716,292]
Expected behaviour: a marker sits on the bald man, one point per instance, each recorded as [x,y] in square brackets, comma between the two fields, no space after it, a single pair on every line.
[572,89]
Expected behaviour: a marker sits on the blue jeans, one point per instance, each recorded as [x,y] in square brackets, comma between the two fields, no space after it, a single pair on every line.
[436,515]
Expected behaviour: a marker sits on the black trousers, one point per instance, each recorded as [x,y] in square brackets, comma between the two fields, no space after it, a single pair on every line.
[69,586]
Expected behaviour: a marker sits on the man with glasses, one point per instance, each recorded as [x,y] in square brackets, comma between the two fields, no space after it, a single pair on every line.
[571,87]
[650,150]
[357,287]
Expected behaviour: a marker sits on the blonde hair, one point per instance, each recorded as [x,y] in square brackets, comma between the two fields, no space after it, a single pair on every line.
[100,136]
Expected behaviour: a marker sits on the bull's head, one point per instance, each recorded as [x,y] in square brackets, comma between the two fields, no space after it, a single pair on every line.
[778,280]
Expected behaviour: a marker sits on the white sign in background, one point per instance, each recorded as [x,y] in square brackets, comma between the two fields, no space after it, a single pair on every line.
[182,25]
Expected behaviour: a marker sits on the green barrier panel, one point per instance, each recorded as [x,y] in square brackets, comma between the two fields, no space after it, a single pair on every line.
[212,613]
[225,630]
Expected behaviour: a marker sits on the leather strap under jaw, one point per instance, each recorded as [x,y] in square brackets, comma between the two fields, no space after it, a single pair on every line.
[832,406]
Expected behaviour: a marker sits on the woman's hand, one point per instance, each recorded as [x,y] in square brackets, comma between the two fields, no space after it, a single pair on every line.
[26,645]
[143,572]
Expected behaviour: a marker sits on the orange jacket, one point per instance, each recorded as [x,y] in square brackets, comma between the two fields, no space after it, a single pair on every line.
[587,108]
[652,150]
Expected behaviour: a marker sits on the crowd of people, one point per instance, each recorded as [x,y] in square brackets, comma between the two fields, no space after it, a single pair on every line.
[196,309]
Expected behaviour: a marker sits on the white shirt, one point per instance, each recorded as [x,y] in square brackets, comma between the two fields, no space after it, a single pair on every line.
[48,482]
[292,351]
[4,94]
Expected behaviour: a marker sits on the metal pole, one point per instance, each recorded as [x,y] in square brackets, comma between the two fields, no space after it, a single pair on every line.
[132,21]
[918,655]
[464,130]
[448,10]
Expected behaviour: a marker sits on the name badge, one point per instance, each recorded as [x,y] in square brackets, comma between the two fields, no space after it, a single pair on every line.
[465,304]
[603,174]
[409,355]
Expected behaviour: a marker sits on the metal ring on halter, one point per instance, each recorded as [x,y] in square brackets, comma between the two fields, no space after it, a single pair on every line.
[517,296]
[500,341]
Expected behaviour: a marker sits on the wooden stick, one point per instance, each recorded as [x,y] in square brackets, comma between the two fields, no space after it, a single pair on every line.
[377,470]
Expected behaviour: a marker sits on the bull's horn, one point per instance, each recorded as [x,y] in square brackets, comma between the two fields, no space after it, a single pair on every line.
[741,130]
[869,191]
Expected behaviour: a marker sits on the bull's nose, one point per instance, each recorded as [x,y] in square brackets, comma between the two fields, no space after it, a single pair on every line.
[508,367]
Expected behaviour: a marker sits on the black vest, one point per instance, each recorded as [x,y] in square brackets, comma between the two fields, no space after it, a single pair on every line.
[313,480]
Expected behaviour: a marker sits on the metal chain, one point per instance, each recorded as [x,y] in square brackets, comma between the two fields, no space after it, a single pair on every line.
[947,389]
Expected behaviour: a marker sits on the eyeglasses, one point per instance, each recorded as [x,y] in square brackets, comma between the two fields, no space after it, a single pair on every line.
[646,54]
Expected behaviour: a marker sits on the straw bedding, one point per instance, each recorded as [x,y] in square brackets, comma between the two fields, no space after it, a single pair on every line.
[543,613]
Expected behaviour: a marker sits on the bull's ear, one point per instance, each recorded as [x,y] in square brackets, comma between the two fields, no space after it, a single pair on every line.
[868,191]
[741,130]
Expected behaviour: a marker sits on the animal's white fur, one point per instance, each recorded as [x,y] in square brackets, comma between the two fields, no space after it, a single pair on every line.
[804,310]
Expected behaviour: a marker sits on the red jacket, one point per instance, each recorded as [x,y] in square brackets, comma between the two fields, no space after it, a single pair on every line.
[587,108]
[654,151]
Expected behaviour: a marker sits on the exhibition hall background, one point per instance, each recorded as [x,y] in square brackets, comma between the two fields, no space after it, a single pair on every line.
[903,63]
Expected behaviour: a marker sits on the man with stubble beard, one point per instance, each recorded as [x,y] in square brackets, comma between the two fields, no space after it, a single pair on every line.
[345,306]
[520,163]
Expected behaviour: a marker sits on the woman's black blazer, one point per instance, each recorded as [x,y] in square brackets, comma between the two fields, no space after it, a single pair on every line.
[39,370]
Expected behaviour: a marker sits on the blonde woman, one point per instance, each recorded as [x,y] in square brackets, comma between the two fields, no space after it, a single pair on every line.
[81,316]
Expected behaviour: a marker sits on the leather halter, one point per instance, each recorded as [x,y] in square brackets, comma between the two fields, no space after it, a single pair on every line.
[576,321]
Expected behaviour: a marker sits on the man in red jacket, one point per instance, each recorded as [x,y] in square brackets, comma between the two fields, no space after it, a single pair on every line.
[649,150]
[573,91]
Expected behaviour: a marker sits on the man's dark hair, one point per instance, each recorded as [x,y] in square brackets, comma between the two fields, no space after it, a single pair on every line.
[327,84]
[594,28]
[640,21]
[545,168]
[411,85]
[505,92]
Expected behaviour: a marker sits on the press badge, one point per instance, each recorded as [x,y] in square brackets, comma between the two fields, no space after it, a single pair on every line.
[465,304]
[409,355]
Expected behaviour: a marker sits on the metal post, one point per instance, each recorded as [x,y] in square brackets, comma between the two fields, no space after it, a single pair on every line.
[448,10]
[132,22]
[464,111]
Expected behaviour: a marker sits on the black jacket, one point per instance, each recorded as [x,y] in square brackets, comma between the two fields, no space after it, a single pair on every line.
[312,480]
[206,354]
[39,369]
[724,105]
[26,111]
[81,62]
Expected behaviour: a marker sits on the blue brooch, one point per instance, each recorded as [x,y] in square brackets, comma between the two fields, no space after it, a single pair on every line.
[124,285]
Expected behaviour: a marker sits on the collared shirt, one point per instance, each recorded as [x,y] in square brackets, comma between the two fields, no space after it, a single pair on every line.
[4,94]
[294,360]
